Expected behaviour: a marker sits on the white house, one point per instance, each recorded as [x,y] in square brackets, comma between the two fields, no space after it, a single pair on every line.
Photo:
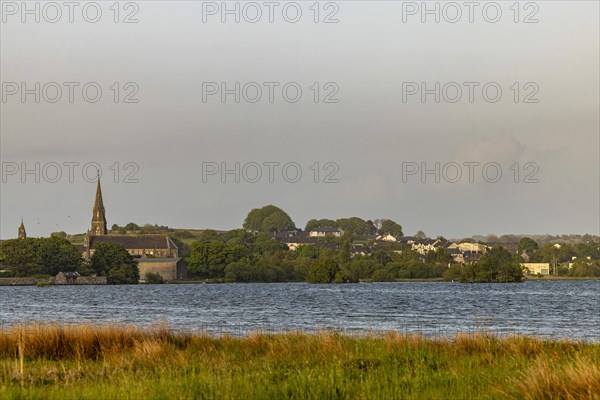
[386,238]
[537,268]
[326,231]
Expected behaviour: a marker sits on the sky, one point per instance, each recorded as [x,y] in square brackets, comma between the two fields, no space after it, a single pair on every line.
[484,121]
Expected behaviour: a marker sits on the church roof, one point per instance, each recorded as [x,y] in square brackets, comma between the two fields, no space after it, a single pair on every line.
[135,241]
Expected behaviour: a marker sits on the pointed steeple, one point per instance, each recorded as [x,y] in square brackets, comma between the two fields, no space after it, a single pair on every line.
[98,217]
[22,233]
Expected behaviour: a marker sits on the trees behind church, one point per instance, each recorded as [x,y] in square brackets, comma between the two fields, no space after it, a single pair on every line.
[114,262]
[49,256]
[39,256]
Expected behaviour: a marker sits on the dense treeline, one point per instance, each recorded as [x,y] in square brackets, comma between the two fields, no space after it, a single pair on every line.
[241,256]
[358,226]
[49,256]
[253,254]
[497,265]
[40,256]
[584,257]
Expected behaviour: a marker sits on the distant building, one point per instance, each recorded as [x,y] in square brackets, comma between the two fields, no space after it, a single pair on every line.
[387,238]
[22,232]
[158,246]
[536,268]
[325,231]
[99,214]
[156,253]
[66,278]
[170,269]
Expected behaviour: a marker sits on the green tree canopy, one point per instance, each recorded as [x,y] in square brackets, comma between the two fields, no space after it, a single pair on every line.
[57,254]
[132,226]
[20,257]
[355,225]
[47,256]
[389,227]
[319,223]
[582,267]
[268,219]
[154,279]
[322,271]
[420,235]
[497,265]
[529,245]
[114,262]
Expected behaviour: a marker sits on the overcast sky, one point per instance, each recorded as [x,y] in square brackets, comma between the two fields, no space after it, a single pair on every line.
[367,144]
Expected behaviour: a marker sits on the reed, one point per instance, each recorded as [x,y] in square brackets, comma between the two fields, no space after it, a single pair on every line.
[115,361]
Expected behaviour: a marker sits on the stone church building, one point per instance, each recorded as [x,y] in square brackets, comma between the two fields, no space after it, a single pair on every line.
[154,253]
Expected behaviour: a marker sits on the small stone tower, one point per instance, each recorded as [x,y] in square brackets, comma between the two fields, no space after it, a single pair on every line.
[98,217]
[22,233]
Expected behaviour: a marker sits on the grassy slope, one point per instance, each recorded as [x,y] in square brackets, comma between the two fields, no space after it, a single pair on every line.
[121,362]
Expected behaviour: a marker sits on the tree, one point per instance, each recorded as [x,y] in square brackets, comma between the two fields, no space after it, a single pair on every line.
[389,227]
[268,219]
[114,262]
[319,223]
[58,254]
[345,276]
[382,275]
[439,256]
[240,272]
[582,267]
[267,244]
[61,234]
[19,256]
[508,239]
[528,245]
[497,265]
[362,269]
[154,279]
[491,238]
[115,228]
[420,235]
[322,271]
[355,225]
[132,227]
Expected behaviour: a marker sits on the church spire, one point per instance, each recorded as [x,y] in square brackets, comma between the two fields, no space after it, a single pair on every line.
[22,233]
[99,217]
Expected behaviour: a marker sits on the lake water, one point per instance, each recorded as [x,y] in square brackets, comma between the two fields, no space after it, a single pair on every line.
[550,309]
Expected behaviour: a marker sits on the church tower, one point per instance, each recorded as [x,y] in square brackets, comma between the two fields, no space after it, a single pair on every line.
[22,233]
[98,217]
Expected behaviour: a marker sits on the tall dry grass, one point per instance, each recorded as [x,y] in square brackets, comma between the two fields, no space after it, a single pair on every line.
[64,342]
[78,342]
[377,364]
[546,379]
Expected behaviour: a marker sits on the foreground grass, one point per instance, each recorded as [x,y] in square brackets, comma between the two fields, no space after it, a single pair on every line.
[75,362]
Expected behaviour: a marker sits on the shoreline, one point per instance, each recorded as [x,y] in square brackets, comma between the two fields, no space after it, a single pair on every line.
[44,282]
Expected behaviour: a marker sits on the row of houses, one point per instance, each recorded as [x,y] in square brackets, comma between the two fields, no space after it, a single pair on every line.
[460,252]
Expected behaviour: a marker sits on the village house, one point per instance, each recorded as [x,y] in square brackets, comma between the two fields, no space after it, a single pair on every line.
[325,232]
[536,268]
[386,238]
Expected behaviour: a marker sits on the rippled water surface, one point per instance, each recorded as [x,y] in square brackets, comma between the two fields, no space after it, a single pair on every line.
[552,309]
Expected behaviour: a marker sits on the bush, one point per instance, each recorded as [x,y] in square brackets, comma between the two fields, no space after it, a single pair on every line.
[154,279]
[345,276]
[382,275]
[322,271]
